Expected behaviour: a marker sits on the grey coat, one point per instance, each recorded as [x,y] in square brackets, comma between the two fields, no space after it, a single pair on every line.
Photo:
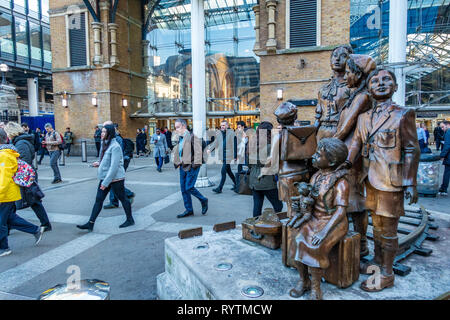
[160,145]
[111,166]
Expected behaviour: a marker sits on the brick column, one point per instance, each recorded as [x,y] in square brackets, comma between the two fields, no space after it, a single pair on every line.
[257,45]
[97,27]
[114,60]
[104,14]
[271,43]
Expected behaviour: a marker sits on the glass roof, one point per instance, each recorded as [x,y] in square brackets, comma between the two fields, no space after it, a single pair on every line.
[175,14]
[428,46]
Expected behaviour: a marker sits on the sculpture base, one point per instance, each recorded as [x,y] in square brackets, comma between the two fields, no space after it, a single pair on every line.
[196,268]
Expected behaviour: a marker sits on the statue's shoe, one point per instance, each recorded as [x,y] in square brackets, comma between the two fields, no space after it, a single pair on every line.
[385,282]
[300,289]
[364,266]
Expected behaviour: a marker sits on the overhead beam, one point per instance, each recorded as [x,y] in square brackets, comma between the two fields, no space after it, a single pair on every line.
[91,10]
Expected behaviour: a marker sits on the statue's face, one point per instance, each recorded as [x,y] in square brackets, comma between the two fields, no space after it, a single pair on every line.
[338,59]
[351,77]
[382,86]
[320,160]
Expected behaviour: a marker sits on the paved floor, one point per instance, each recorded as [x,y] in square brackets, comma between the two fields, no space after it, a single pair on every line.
[129,259]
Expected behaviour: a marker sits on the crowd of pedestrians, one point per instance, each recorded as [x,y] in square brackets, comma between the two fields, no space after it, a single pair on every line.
[114,153]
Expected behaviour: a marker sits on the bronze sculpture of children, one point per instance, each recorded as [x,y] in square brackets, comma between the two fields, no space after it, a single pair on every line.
[328,223]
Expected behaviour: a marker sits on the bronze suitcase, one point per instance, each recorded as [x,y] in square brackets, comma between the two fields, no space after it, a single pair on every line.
[298,142]
[288,244]
[272,241]
[344,261]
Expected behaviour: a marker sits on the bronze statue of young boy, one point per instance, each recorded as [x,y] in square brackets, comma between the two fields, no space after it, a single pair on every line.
[386,138]
[328,223]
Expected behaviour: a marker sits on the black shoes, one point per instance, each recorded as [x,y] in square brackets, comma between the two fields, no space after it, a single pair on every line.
[87,226]
[159,170]
[47,227]
[205,207]
[127,223]
[186,214]
[56,181]
[217,190]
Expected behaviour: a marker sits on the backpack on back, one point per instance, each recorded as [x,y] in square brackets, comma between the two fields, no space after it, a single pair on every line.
[61,146]
[25,174]
[128,147]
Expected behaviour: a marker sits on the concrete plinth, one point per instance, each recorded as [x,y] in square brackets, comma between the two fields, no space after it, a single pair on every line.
[190,272]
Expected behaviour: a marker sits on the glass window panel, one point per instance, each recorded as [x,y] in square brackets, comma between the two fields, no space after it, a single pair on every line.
[46,45]
[45,7]
[33,5]
[35,41]
[232,68]
[6,37]
[21,37]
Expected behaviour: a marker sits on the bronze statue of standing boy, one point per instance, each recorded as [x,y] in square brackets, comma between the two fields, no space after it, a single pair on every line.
[386,138]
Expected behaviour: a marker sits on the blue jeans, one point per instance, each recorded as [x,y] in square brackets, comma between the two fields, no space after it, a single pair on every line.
[9,218]
[159,161]
[54,156]
[187,184]
[446,179]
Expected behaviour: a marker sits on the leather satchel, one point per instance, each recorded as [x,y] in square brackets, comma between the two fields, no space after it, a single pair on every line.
[298,143]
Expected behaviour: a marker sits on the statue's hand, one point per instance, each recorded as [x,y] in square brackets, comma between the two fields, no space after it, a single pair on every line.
[299,223]
[318,238]
[411,194]
[292,221]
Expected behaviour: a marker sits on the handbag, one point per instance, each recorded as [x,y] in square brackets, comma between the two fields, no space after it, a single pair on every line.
[30,195]
[298,142]
[166,159]
[244,179]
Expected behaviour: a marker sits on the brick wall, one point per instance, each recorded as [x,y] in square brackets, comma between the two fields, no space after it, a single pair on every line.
[109,84]
[282,70]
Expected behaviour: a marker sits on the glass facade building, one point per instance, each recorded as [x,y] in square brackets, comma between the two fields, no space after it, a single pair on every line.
[25,34]
[232,69]
[428,47]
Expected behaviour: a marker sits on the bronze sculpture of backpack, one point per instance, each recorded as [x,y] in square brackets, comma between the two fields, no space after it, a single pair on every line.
[298,142]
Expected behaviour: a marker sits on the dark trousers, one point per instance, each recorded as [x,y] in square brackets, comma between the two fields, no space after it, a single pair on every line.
[422,145]
[40,212]
[10,220]
[446,179]
[258,200]
[42,152]
[119,190]
[97,145]
[159,161]
[238,176]
[128,193]
[226,169]
[439,144]
[187,184]
[68,148]
[54,156]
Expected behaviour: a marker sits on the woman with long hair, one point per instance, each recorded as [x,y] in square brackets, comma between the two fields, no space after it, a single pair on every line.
[111,174]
